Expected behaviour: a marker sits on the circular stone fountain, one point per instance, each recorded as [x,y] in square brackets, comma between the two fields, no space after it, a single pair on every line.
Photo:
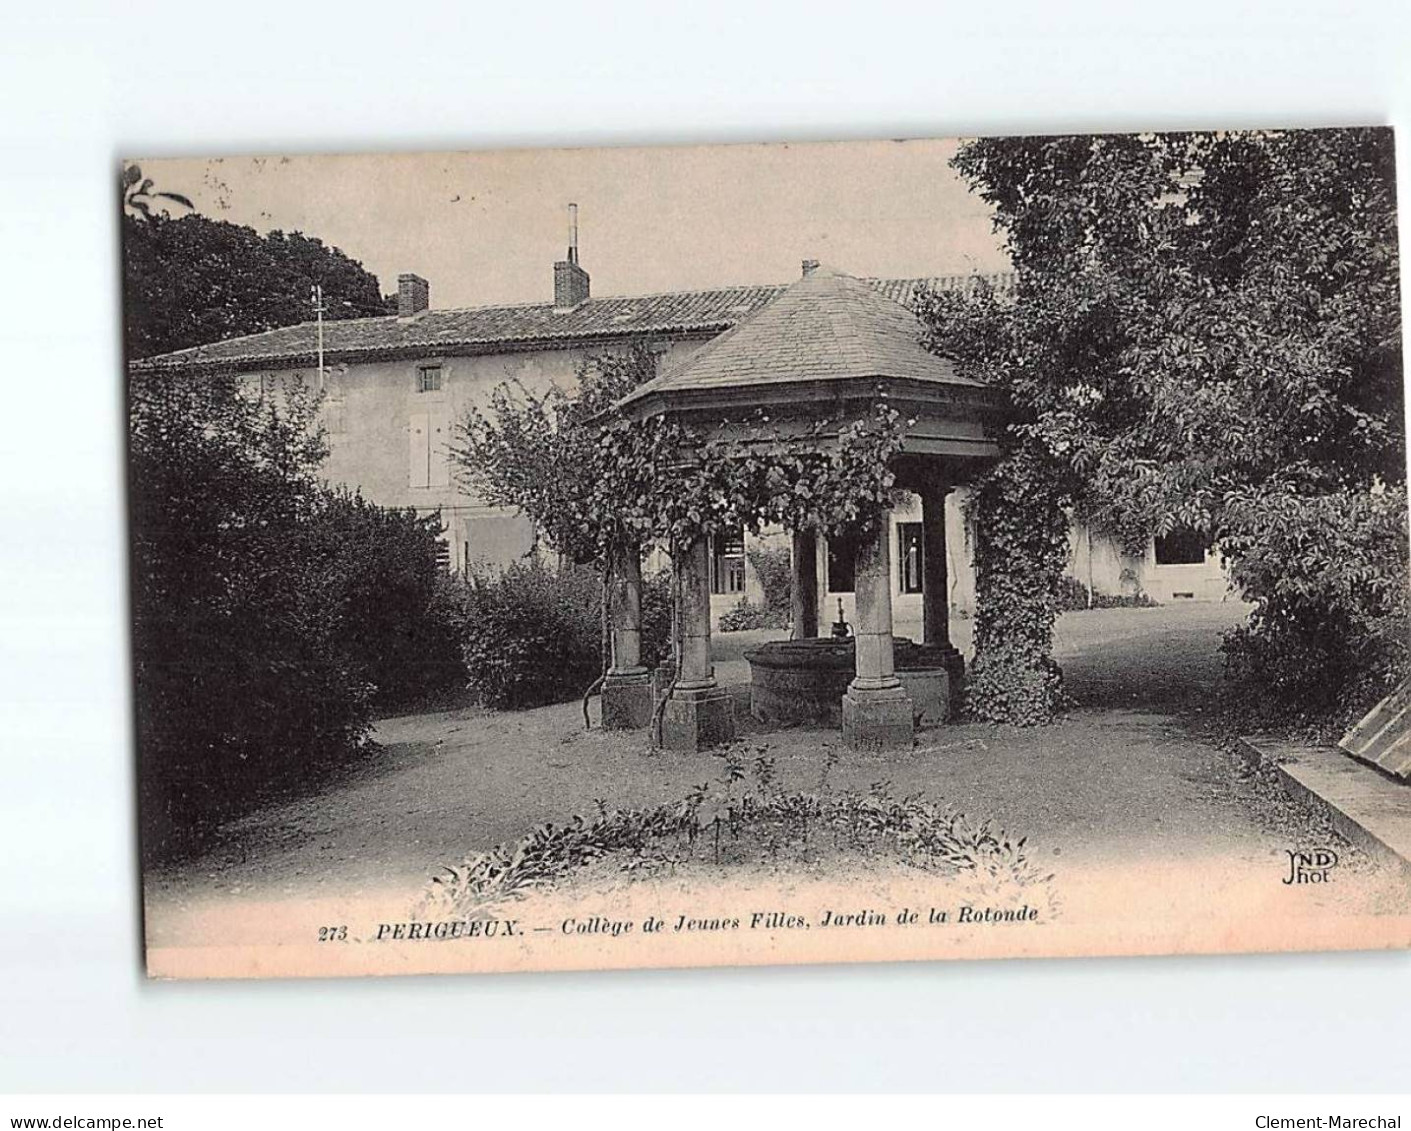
[802,682]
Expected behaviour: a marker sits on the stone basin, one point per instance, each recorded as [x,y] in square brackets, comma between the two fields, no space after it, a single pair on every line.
[801,682]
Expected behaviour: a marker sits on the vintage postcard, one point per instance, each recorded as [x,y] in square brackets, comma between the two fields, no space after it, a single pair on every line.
[873,551]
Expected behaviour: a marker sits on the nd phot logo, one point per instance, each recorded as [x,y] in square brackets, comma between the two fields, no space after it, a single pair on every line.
[1312,867]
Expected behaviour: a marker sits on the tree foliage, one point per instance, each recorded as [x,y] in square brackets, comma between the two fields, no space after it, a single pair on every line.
[1019,510]
[597,484]
[269,613]
[540,452]
[1205,333]
[194,280]
[837,477]
[589,479]
[1330,634]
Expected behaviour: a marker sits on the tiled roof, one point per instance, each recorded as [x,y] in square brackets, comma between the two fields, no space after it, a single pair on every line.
[904,290]
[827,326]
[487,329]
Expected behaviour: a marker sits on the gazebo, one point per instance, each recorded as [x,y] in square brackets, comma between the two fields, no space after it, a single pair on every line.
[816,358]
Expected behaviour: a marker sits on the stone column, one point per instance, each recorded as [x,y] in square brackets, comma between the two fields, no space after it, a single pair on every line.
[627,690]
[803,594]
[700,712]
[935,580]
[876,708]
[935,592]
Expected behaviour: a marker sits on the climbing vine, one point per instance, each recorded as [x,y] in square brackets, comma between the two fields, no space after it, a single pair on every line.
[1020,518]
[592,481]
[597,485]
[662,480]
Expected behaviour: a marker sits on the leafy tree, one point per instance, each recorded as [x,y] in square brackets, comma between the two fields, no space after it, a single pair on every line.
[269,613]
[194,280]
[541,452]
[544,455]
[1205,333]
[239,686]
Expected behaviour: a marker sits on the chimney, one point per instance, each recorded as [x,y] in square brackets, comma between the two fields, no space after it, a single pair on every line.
[809,267]
[413,295]
[570,280]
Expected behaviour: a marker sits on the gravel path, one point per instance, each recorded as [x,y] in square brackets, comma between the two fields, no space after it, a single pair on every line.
[1127,781]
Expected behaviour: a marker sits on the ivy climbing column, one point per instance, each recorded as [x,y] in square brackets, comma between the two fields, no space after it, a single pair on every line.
[876,708]
[627,690]
[699,712]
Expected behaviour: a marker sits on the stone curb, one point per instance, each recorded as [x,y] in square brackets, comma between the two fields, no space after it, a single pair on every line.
[1368,808]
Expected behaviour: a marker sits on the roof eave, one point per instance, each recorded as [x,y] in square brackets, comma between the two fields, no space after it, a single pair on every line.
[169,363]
[645,403]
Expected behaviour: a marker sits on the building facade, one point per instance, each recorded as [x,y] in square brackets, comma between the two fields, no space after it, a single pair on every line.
[395,387]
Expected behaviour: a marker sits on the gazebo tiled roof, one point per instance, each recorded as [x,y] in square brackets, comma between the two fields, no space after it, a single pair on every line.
[816,356]
[827,327]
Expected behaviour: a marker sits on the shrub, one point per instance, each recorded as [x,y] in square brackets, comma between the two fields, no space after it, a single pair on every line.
[1073,597]
[747,615]
[270,614]
[1332,628]
[656,618]
[773,565]
[746,818]
[399,623]
[243,685]
[533,635]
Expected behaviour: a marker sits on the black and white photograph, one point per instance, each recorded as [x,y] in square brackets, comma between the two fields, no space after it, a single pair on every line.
[775,553]
[735,565]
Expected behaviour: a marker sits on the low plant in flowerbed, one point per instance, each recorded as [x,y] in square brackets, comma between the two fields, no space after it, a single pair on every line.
[745,819]
[747,615]
[1073,597]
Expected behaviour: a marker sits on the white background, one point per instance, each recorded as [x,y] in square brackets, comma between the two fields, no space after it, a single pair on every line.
[82,84]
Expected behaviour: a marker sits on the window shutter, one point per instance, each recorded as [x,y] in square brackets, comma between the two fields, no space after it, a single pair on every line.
[418,451]
[439,438]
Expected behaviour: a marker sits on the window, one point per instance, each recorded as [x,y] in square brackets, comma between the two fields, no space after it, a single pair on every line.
[1182,546]
[842,564]
[911,556]
[428,379]
[727,563]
